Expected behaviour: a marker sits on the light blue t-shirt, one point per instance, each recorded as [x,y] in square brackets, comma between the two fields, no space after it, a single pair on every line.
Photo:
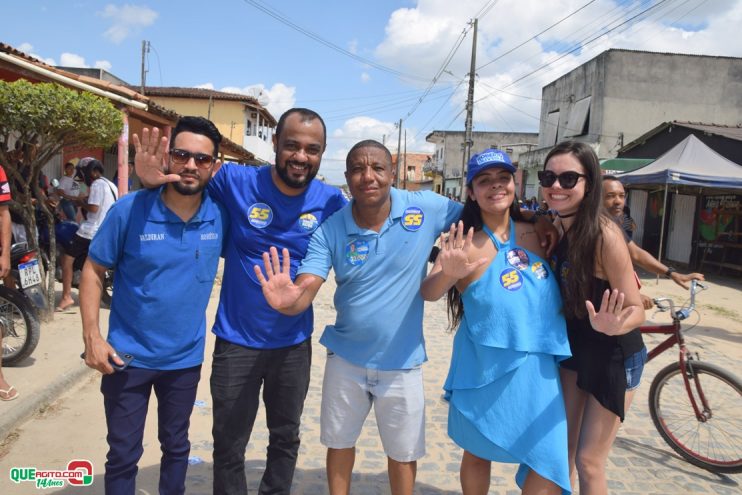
[262,216]
[164,272]
[379,308]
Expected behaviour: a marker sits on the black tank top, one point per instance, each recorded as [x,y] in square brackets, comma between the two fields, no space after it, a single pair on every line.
[597,358]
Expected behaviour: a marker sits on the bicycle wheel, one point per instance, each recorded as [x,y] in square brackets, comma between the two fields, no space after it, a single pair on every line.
[715,443]
[20,326]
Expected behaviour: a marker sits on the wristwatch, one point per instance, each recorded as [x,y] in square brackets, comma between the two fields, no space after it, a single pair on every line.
[669,272]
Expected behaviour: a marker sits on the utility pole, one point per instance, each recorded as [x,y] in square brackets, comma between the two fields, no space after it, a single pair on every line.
[469,111]
[145,51]
[399,146]
[404,165]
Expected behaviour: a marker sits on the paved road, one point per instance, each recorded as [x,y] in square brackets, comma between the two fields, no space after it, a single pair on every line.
[72,426]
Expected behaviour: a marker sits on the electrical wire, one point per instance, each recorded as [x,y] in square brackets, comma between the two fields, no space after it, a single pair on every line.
[319,39]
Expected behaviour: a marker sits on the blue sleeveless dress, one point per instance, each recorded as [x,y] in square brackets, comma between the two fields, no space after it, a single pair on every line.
[505,396]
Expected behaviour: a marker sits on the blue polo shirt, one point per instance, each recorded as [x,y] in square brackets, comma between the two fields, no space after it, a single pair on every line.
[165,270]
[261,216]
[379,308]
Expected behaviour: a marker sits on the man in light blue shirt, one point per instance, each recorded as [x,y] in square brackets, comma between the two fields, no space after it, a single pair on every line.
[378,246]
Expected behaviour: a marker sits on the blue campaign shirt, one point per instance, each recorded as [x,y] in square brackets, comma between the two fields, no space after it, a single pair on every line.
[379,308]
[164,272]
[261,216]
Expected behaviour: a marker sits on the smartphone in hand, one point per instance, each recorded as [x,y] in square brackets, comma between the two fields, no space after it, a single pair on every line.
[126,358]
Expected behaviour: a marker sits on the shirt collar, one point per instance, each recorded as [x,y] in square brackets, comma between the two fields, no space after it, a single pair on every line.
[397,210]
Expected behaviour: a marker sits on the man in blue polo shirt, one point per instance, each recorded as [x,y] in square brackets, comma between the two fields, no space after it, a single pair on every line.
[164,244]
[256,346]
[378,247]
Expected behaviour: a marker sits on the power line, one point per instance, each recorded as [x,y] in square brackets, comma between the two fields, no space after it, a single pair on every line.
[534,36]
[316,37]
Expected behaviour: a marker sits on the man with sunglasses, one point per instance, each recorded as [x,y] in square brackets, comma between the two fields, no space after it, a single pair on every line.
[164,244]
[614,200]
[256,346]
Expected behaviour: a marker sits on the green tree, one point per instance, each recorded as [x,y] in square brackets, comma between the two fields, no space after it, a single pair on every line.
[39,120]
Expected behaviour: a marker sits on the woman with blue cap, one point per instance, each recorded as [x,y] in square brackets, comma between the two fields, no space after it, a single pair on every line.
[505,397]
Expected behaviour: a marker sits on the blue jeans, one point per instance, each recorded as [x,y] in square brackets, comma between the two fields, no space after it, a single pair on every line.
[126,397]
[237,374]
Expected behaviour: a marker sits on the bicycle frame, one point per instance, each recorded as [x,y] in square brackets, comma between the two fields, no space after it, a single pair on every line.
[676,337]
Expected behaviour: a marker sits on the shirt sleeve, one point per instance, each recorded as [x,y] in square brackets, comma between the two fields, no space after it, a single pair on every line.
[318,259]
[4,187]
[218,183]
[96,192]
[107,246]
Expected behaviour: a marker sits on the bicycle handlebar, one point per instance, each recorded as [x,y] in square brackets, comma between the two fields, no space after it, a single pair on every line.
[665,303]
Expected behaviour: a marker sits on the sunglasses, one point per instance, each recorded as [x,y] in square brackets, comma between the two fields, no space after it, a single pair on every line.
[181,157]
[567,180]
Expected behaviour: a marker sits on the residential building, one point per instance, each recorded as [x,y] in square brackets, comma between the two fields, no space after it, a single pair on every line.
[617,96]
[412,173]
[448,158]
[238,117]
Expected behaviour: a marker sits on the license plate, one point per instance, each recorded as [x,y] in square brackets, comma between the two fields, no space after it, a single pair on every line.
[30,274]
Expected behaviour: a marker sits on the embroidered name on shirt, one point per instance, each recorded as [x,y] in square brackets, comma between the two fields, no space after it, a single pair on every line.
[210,236]
[151,237]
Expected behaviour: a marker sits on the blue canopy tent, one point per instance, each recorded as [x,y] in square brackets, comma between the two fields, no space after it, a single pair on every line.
[688,163]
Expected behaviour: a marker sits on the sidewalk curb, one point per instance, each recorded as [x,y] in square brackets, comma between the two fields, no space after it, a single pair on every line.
[27,406]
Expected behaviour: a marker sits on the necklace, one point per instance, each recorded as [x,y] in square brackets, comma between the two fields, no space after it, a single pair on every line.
[568,215]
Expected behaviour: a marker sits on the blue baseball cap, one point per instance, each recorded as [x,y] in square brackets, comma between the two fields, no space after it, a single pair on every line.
[491,158]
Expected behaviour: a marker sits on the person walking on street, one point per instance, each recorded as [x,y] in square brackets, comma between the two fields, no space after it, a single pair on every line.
[256,346]
[164,244]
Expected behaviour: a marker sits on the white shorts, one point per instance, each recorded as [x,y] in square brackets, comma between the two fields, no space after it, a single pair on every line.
[348,391]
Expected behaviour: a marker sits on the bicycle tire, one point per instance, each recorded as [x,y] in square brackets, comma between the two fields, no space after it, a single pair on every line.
[713,445]
[20,326]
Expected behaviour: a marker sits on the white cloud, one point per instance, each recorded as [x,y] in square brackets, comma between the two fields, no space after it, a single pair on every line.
[365,77]
[353,47]
[280,97]
[103,64]
[27,48]
[205,86]
[72,60]
[126,20]
[417,39]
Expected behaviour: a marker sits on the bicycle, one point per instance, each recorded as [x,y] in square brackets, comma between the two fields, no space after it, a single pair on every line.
[695,406]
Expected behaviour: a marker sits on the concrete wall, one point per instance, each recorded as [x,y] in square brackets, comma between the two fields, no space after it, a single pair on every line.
[227,116]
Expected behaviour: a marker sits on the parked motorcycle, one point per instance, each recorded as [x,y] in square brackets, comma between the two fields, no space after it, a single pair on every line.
[19,307]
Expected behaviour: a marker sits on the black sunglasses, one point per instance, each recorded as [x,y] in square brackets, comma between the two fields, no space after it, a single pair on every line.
[567,180]
[181,157]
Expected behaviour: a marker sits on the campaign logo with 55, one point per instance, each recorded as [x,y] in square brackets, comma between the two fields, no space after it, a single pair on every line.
[79,472]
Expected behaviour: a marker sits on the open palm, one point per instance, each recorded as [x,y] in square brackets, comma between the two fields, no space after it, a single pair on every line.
[611,316]
[279,290]
[454,257]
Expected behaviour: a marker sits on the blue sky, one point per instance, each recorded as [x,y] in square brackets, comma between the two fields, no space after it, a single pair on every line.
[400,47]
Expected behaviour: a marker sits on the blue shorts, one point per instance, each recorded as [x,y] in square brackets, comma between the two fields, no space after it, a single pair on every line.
[634,366]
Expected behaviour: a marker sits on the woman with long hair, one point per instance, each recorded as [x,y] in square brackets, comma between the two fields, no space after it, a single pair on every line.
[593,266]
[505,398]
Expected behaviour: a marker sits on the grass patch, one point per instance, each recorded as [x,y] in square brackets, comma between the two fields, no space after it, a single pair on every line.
[721,311]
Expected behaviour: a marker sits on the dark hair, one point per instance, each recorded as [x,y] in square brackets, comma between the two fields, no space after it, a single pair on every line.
[368,143]
[197,125]
[586,233]
[607,177]
[307,115]
[68,164]
[471,215]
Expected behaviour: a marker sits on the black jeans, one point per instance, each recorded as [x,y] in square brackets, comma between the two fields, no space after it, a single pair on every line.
[237,374]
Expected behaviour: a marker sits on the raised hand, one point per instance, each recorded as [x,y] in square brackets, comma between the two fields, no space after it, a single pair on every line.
[278,288]
[612,315]
[453,256]
[149,162]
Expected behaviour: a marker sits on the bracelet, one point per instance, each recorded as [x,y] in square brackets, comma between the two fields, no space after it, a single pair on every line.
[669,272]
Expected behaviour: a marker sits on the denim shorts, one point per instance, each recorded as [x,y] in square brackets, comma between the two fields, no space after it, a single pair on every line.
[634,366]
